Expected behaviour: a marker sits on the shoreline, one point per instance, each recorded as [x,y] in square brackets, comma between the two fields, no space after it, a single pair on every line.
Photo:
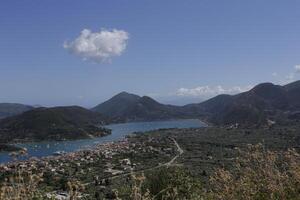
[65,155]
[104,163]
[69,146]
[8,148]
[28,141]
[200,150]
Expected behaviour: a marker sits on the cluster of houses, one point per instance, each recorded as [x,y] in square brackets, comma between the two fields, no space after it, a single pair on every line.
[112,155]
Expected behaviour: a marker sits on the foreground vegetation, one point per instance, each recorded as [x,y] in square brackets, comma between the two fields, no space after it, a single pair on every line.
[217,163]
[257,174]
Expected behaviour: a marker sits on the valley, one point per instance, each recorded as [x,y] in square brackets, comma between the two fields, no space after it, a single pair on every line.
[149,100]
[101,157]
[108,167]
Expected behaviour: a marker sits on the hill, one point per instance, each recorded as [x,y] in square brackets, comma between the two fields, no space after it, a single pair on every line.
[129,107]
[264,102]
[117,105]
[257,106]
[11,109]
[293,95]
[56,123]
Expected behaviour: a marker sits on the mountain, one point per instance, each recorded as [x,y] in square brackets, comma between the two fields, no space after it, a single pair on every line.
[11,109]
[293,95]
[130,107]
[265,101]
[117,105]
[209,107]
[58,123]
[257,106]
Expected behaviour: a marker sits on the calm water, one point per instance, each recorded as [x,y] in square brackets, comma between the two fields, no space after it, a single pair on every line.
[119,131]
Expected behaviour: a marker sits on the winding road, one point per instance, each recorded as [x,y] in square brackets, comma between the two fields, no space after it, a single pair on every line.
[180,151]
[167,164]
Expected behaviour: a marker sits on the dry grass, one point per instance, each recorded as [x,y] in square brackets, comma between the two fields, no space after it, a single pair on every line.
[24,184]
[166,184]
[259,174]
[21,186]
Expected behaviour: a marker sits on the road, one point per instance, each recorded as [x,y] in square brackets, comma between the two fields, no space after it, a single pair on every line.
[167,164]
[180,151]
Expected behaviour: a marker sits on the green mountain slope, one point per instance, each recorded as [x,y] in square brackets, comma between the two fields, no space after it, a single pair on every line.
[11,109]
[56,123]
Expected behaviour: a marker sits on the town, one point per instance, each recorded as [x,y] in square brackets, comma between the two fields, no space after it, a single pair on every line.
[97,166]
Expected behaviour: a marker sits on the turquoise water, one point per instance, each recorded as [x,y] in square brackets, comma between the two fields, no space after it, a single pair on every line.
[119,131]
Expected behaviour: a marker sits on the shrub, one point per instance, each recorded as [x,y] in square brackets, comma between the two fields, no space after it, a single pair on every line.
[166,183]
[21,186]
[259,174]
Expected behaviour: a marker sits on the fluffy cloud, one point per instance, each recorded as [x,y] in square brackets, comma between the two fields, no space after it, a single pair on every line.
[289,78]
[98,46]
[297,68]
[210,91]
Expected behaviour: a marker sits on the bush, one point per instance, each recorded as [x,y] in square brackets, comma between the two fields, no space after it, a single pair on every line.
[259,174]
[165,183]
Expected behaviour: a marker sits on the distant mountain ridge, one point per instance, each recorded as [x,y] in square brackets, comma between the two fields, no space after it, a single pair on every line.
[264,102]
[57,123]
[257,106]
[130,107]
[117,105]
[11,109]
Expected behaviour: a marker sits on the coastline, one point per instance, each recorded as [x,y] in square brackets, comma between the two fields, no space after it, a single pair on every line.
[45,148]
[27,140]
[9,148]
[200,150]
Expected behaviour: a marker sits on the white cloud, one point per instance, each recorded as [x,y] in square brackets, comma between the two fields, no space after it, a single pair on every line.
[297,68]
[210,91]
[290,78]
[98,46]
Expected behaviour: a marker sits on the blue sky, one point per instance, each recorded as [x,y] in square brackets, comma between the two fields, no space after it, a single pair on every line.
[177,51]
